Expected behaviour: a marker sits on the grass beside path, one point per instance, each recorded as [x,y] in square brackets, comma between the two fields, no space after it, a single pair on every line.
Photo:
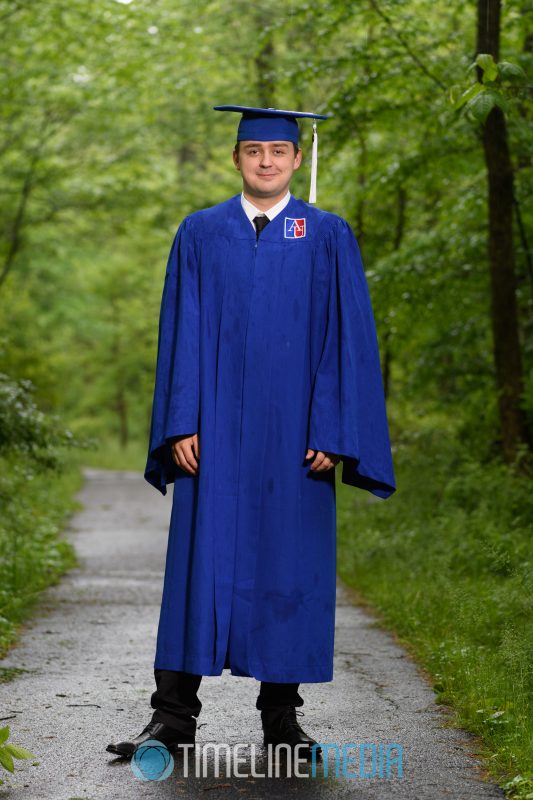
[35,506]
[447,562]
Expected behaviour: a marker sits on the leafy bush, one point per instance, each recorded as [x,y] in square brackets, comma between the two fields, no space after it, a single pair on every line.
[33,447]
[9,751]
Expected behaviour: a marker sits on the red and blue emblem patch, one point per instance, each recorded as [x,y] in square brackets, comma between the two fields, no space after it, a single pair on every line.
[294,228]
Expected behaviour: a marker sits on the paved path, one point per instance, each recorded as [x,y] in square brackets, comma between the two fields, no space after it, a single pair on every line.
[89,659]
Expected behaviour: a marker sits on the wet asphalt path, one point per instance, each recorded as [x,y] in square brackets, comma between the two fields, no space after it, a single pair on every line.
[88,655]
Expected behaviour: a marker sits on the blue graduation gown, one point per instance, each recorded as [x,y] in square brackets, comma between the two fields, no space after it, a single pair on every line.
[265,349]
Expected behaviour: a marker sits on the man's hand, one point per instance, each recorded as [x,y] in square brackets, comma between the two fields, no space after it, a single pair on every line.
[186,452]
[322,461]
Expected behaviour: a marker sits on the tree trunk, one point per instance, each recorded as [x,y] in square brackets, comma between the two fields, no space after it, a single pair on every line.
[398,236]
[121,402]
[121,406]
[264,64]
[504,310]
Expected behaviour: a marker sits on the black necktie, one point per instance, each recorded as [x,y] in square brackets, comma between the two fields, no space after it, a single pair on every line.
[260,222]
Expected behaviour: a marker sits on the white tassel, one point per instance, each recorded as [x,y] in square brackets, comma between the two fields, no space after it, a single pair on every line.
[314,164]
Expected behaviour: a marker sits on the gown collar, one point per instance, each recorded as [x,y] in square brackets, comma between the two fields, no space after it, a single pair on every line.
[274,231]
[251,211]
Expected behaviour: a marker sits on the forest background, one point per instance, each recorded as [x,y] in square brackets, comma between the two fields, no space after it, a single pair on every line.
[108,139]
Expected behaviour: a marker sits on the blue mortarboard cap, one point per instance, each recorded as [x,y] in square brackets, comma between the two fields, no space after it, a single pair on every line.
[271,124]
[268,124]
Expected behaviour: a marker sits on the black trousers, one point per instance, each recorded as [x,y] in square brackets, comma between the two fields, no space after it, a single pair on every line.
[176,701]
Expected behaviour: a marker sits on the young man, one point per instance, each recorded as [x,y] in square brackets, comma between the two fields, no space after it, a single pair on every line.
[267,376]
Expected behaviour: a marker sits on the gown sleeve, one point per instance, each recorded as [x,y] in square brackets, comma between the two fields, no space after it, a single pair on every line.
[347,414]
[175,408]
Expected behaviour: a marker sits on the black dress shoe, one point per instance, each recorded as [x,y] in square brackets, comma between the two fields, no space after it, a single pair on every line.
[170,737]
[280,726]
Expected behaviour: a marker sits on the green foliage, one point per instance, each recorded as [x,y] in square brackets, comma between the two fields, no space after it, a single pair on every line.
[27,431]
[35,504]
[9,751]
[8,674]
[35,492]
[497,81]
[519,787]
[447,562]
[107,140]
[114,134]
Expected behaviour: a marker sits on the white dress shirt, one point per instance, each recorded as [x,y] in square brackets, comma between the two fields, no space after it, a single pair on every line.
[251,211]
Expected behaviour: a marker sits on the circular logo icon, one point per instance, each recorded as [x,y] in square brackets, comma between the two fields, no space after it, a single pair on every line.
[152,761]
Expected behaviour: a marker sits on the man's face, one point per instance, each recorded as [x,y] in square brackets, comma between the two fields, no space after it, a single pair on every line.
[266,167]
